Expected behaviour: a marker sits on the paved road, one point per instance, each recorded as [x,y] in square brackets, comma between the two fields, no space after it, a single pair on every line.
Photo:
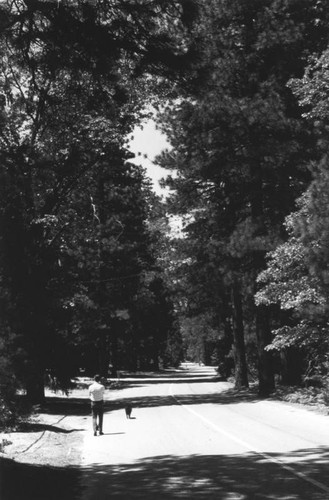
[195,439]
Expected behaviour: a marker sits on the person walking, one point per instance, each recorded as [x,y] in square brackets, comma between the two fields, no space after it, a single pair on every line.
[96,394]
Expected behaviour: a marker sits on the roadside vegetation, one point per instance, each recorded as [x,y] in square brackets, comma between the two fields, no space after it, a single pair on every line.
[91,279]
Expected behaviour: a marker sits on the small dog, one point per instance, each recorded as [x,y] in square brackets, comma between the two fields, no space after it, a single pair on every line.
[128,410]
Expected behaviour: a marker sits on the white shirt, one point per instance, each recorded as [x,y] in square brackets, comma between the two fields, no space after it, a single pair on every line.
[96,391]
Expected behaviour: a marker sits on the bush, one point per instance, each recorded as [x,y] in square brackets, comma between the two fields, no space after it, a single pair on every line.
[11,409]
[7,414]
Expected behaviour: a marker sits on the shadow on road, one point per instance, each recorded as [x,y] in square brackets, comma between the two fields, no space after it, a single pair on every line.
[177,373]
[220,477]
[227,397]
[20,481]
[68,406]
[81,406]
[33,427]
[183,379]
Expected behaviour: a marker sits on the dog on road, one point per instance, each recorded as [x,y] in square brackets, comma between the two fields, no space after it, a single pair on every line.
[128,410]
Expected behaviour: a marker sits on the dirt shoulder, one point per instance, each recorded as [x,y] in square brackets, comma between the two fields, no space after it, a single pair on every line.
[54,435]
[54,440]
[41,460]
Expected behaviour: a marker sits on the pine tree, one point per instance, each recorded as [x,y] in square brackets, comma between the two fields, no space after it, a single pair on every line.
[240,144]
[72,88]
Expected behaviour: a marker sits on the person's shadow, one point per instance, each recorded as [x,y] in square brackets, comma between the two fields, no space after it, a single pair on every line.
[112,433]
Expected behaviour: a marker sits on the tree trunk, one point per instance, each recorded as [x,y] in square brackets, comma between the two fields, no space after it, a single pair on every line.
[241,372]
[114,348]
[156,365]
[35,386]
[263,330]
[265,359]
[103,354]
[291,366]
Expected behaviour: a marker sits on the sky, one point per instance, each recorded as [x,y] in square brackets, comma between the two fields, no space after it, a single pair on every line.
[149,142]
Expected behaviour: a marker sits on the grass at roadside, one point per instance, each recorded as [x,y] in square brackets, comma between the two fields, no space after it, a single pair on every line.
[312,397]
[41,461]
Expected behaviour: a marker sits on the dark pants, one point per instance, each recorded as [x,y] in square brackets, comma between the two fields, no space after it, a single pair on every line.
[97,411]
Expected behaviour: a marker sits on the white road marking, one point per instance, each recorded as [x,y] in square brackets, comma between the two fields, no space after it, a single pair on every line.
[249,447]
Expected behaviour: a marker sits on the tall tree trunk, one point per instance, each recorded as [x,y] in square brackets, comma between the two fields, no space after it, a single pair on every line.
[35,384]
[241,372]
[156,365]
[114,347]
[263,329]
[265,358]
[291,366]
[103,354]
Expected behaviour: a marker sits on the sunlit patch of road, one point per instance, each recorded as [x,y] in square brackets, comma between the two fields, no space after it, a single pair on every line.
[195,439]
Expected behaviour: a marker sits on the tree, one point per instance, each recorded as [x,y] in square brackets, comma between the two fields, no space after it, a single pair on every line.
[68,102]
[240,145]
[294,280]
[296,274]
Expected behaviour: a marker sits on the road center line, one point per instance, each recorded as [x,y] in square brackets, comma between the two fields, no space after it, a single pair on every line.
[249,447]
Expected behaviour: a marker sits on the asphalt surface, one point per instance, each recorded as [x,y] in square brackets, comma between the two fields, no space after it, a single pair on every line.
[193,437]
[190,436]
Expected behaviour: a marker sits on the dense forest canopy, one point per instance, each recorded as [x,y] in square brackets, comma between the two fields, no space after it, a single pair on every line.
[243,149]
[90,278]
[80,284]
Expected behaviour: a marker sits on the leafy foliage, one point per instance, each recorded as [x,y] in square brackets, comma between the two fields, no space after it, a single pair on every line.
[75,244]
[242,149]
[295,277]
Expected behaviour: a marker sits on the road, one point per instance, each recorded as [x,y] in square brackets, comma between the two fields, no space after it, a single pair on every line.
[192,437]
